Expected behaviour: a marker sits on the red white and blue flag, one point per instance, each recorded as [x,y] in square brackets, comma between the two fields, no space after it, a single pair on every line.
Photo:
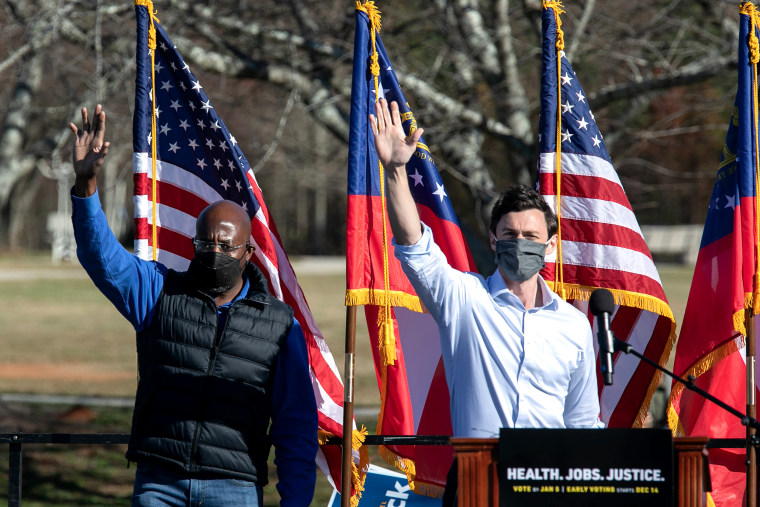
[601,245]
[723,295]
[184,159]
[414,395]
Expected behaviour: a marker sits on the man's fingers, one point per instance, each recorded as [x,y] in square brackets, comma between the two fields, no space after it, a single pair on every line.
[85,120]
[395,115]
[387,123]
[100,125]
[380,109]
[416,135]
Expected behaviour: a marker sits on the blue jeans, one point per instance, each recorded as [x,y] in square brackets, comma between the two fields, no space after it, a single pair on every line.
[157,486]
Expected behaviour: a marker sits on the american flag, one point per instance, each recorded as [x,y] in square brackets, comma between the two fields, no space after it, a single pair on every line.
[724,290]
[414,394]
[601,245]
[198,162]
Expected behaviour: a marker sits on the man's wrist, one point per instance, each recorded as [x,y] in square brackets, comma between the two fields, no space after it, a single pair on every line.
[395,171]
[85,187]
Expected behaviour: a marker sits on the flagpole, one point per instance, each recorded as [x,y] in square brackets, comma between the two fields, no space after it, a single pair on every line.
[751,410]
[348,407]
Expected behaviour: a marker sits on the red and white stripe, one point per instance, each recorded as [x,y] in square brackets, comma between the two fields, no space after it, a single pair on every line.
[602,247]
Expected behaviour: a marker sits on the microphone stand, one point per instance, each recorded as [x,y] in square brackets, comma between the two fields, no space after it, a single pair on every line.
[689,384]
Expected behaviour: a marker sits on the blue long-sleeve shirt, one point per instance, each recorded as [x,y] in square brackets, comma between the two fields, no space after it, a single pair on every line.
[133,285]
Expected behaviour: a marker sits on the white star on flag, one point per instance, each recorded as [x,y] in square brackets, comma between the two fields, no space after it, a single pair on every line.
[417,177]
[440,192]
[731,202]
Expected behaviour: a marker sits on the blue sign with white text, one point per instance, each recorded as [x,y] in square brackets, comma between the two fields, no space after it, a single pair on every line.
[385,488]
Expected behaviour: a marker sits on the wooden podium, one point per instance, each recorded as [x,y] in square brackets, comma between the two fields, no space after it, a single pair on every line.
[479,482]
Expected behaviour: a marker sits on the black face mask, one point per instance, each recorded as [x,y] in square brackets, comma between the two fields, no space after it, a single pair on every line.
[215,273]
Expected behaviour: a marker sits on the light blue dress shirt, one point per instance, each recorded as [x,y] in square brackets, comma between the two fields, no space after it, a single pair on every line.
[505,366]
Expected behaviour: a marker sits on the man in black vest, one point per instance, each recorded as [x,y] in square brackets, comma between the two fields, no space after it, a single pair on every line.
[223,368]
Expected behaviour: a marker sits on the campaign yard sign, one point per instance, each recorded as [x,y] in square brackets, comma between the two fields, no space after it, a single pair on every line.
[386,488]
[585,467]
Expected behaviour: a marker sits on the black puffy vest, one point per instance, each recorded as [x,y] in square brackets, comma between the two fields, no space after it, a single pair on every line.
[203,404]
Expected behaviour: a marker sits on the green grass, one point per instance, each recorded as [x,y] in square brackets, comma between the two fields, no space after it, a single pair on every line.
[67,323]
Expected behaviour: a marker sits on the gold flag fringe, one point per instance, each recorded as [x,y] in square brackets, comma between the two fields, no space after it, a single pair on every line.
[622,297]
[700,367]
[357,297]
[358,474]
[656,379]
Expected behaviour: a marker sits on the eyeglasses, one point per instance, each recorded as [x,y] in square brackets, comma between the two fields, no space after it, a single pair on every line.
[210,246]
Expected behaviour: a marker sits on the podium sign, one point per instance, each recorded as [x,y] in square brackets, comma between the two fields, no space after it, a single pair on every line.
[585,467]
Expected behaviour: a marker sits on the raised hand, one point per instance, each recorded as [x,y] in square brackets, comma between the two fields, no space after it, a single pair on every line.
[394,149]
[89,150]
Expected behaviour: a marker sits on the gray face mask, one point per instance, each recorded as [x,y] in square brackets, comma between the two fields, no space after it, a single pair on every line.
[520,259]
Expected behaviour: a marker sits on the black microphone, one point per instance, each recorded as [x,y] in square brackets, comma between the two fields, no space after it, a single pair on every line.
[602,304]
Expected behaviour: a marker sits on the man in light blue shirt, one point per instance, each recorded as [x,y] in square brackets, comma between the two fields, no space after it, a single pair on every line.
[514,353]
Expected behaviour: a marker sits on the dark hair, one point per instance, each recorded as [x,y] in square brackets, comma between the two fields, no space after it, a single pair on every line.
[521,198]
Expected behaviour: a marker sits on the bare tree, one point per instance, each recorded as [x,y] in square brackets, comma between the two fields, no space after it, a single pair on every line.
[279,73]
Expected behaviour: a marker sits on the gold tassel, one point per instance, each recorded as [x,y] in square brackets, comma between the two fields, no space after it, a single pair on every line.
[387,338]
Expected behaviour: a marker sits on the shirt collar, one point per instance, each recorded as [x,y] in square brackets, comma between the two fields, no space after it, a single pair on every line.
[243,291]
[499,290]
